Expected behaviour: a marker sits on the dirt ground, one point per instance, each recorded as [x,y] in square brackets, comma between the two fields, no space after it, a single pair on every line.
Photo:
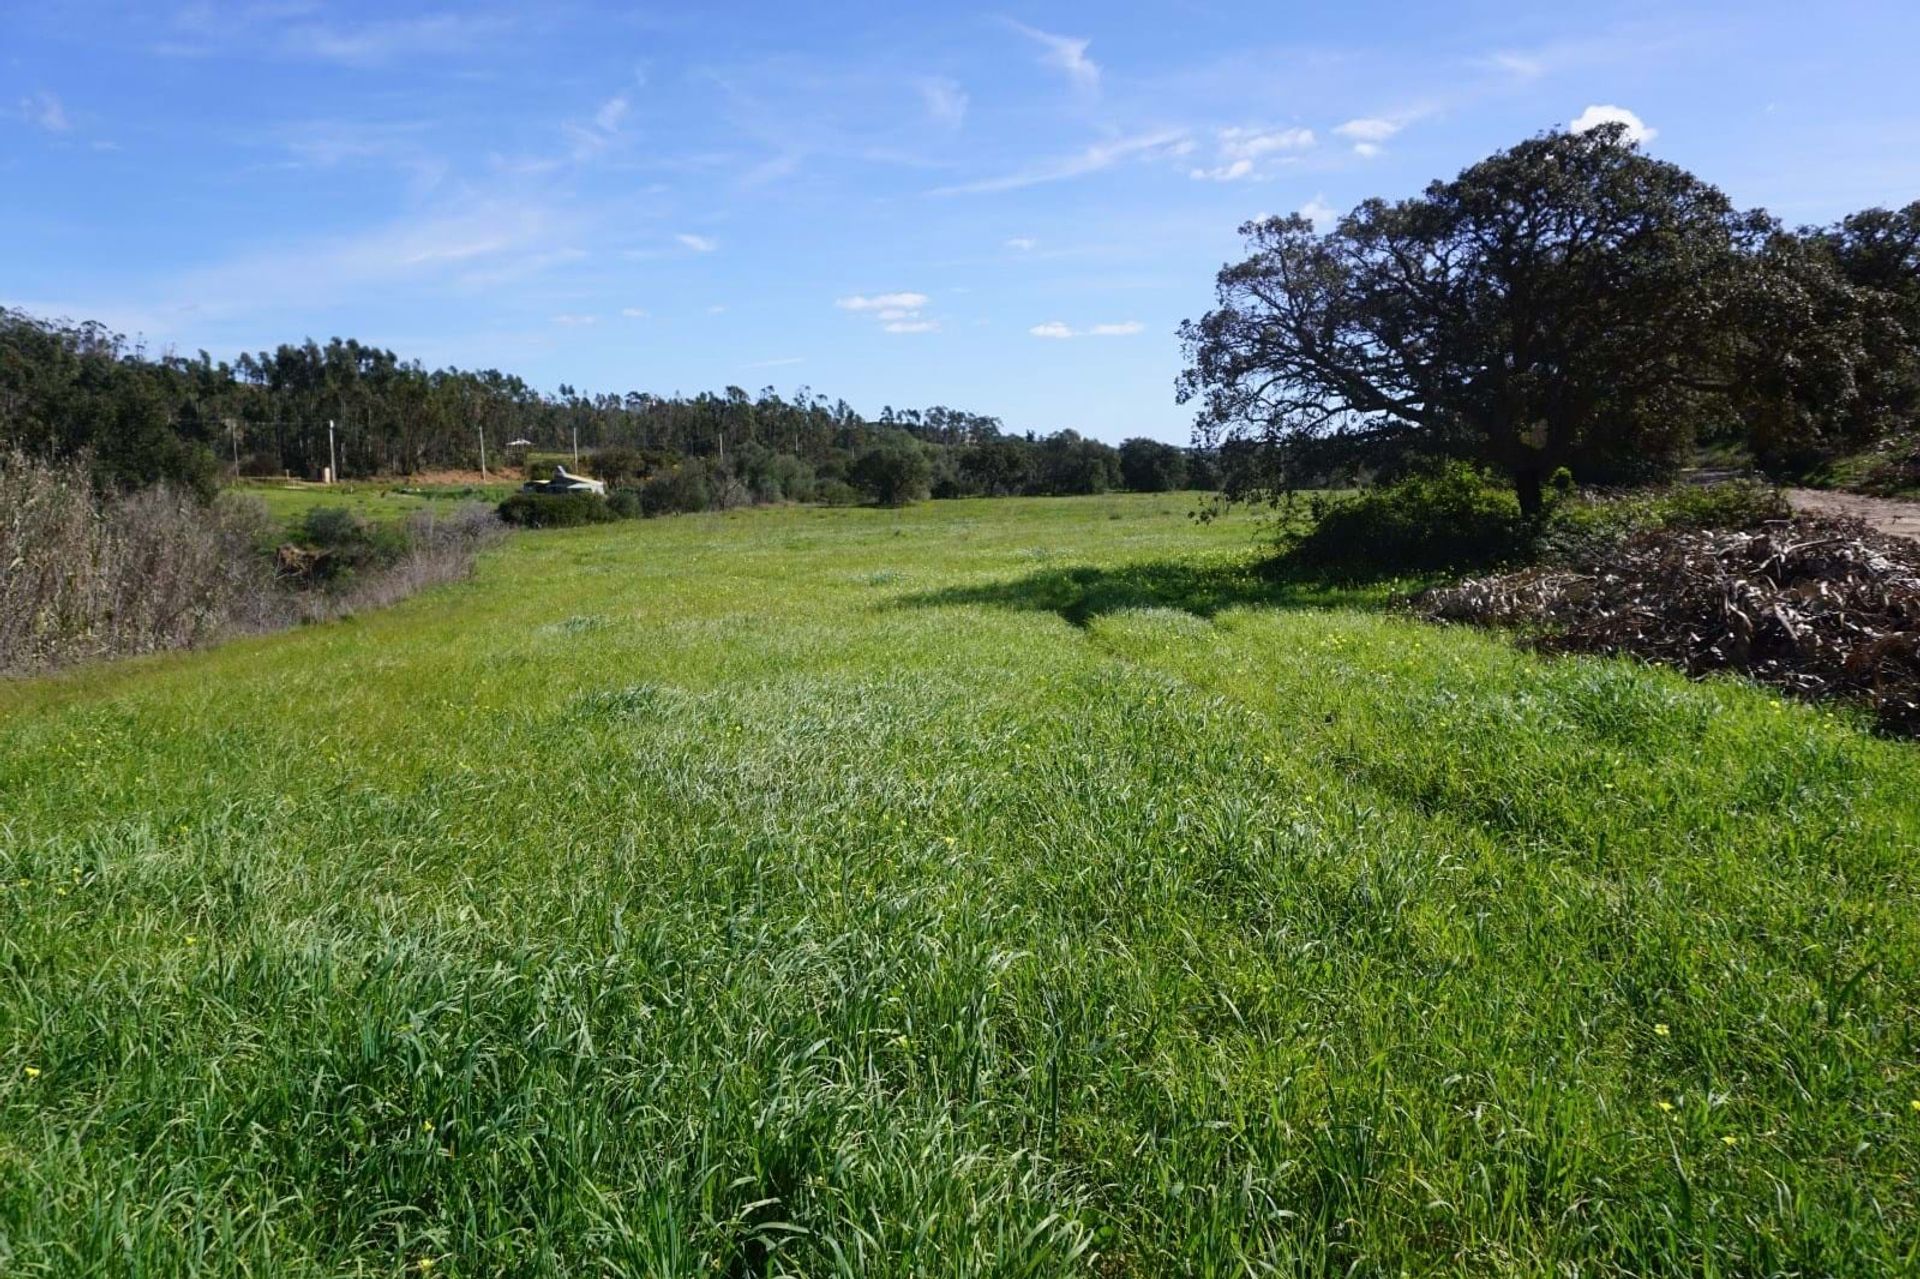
[1883,514]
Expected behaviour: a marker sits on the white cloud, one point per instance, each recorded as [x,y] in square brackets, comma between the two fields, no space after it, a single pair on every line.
[884,302]
[1023,243]
[45,110]
[717,309]
[634,312]
[698,243]
[946,101]
[1368,129]
[1366,150]
[1320,213]
[575,321]
[1056,330]
[1066,54]
[897,312]
[607,119]
[1102,155]
[1595,116]
[1241,150]
[1251,144]
[1225,173]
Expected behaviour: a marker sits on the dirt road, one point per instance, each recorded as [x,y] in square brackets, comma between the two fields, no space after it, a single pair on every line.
[1886,515]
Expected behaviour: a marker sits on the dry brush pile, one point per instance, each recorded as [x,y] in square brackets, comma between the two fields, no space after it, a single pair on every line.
[1822,608]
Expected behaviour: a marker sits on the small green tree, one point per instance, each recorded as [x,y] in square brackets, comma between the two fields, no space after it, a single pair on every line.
[1150,466]
[892,471]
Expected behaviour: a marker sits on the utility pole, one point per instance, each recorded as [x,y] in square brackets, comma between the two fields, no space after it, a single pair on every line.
[233,429]
[483,455]
[576,446]
[333,462]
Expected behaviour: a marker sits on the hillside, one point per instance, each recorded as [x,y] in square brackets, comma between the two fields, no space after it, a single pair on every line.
[1014,887]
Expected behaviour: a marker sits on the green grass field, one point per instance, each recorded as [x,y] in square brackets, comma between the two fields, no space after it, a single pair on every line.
[1021,887]
[382,502]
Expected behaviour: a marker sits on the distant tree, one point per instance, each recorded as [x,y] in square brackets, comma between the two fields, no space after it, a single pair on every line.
[1561,303]
[1150,466]
[996,467]
[1069,463]
[892,471]
[1203,469]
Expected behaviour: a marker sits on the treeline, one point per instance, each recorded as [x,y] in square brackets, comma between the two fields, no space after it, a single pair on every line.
[68,389]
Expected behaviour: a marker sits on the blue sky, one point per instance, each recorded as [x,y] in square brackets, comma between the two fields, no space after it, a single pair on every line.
[1007,209]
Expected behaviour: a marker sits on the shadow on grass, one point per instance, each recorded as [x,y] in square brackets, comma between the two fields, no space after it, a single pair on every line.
[1201,587]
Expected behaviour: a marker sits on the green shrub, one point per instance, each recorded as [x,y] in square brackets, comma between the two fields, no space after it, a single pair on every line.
[626,504]
[832,492]
[1579,527]
[556,510]
[681,490]
[892,471]
[1454,518]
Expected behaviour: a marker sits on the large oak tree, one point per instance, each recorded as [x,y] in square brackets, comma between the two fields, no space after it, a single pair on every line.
[1561,303]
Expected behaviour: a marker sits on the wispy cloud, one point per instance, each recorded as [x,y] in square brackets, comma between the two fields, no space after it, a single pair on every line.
[1521,66]
[1368,129]
[1101,155]
[607,119]
[46,111]
[698,243]
[575,321]
[1023,244]
[377,43]
[912,326]
[634,312]
[1058,331]
[1241,150]
[945,100]
[1593,117]
[883,302]
[474,248]
[1066,54]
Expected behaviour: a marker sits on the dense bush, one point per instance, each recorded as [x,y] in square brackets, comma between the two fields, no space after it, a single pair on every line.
[1578,527]
[892,472]
[556,510]
[682,490]
[1150,466]
[1453,518]
[626,504]
[85,576]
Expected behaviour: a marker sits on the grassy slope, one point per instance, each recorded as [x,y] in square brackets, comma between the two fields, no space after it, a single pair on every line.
[909,893]
[290,501]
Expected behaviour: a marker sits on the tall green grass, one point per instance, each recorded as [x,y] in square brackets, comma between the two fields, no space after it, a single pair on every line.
[1015,887]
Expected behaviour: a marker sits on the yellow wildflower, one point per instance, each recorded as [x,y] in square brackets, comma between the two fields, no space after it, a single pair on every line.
[1666,1106]
[1660,1029]
[33,1072]
[1730,1140]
